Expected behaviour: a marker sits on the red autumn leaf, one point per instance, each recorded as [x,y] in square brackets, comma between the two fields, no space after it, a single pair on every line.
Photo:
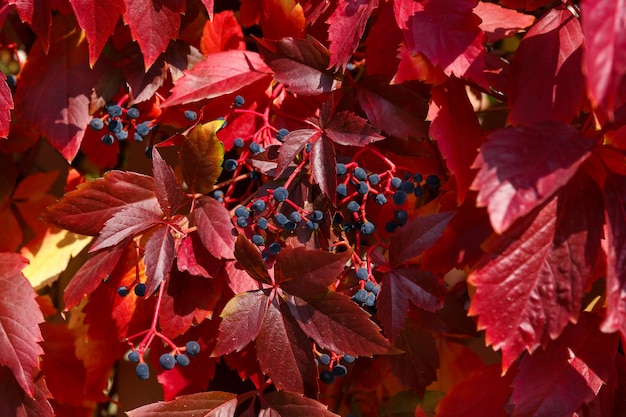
[192,405]
[219,74]
[531,281]
[152,24]
[142,83]
[208,5]
[556,90]
[90,275]
[508,186]
[242,319]
[529,5]
[417,366]
[568,373]
[336,323]
[159,257]
[294,143]
[382,35]
[457,131]
[285,403]
[399,289]
[215,228]
[499,23]
[221,33]
[417,67]
[167,189]
[38,15]
[249,257]
[97,20]
[19,323]
[54,91]
[604,64]
[347,24]
[346,128]
[85,210]
[322,165]
[447,33]
[201,157]
[416,236]
[284,352]
[15,402]
[6,105]
[189,255]
[485,392]
[124,224]
[615,207]
[301,64]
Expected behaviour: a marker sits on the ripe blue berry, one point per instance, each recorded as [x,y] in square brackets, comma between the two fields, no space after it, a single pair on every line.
[123,291]
[230,165]
[408,186]
[107,140]
[258,240]
[340,370]
[342,190]
[341,169]
[261,223]
[280,135]
[281,194]
[311,225]
[143,128]
[353,206]
[218,195]
[327,377]
[143,371]
[347,358]
[191,115]
[295,217]
[370,300]
[317,215]
[242,222]
[192,347]
[133,113]
[281,219]
[380,199]
[96,124]
[417,178]
[137,137]
[401,217]
[399,197]
[241,211]
[374,179]
[238,143]
[121,135]
[376,289]
[396,182]
[133,356]
[362,274]
[140,289]
[182,359]
[259,205]
[167,361]
[390,227]
[433,181]
[255,148]
[360,296]
[324,359]
[360,174]
[419,192]
[274,248]
[362,188]
[115,126]
[369,286]
[368,228]
[114,110]
[239,101]
[254,176]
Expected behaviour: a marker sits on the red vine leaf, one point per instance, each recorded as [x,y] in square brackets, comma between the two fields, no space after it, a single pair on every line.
[19,323]
[221,33]
[191,405]
[215,228]
[558,86]
[85,210]
[520,168]
[201,157]
[97,20]
[529,5]
[6,105]
[124,224]
[15,402]
[249,256]
[167,189]
[159,257]
[38,15]
[346,128]
[286,403]
[499,23]
[294,143]
[323,164]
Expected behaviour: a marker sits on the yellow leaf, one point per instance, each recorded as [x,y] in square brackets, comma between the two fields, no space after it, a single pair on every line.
[201,157]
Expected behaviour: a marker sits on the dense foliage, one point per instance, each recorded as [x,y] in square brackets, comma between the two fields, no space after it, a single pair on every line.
[280,208]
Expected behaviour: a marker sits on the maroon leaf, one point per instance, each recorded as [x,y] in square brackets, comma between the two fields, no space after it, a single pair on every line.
[604,64]
[249,256]
[399,289]
[336,323]
[242,319]
[447,33]
[144,84]
[159,257]
[19,320]
[15,402]
[152,24]
[294,143]
[219,74]
[168,190]
[347,24]
[570,372]
[285,353]
[187,258]
[215,228]
[90,275]
[457,131]
[86,209]
[522,167]
[38,15]
[555,90]
[323,166]
[499,23]
[346,128]
[124,224]
[416,236]
[98,20]
[615,217]
[291,404]
[529,5]
[530,283]
[301,64]
[191,405]
[6,105]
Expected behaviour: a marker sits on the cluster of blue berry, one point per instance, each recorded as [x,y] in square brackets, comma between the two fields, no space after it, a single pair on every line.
[334,366]
[166,360]
[368,291]
[139,289]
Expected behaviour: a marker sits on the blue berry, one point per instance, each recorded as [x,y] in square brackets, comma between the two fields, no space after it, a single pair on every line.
[360,174]
[340,370]
[324,359]
[114,110]
[353,206]
[258,205]
[238,143]
[433,181]
[182,359]
[419,191]
[133,113]
[241,211]
[327,377]
[123,291]
[192,347]
[308,147]
[115,126]
[191,115]
[143,371]
[261,223]
[375,289]
[408,187]
[133,356]
[370,300]
[417,178]
[347,358]
[140,289]
[254,176]
[239,101]
[311,225]
[167,361]
[242,222]
[380,199]
[255,148]
[281,194]
[121,135]
[362,274]
[396,182]
[230,165]
[369,286]
[341,169]
[274,248]
[280,135]
[317,215]
[374,179]
[360,296]
[107,140]
[401,217]
[218,195]
[368,228]
[137,137]
[295,217]
[143,128]
[399,197]
[342,190]
[391,227]
[362,188]
[290,226]
[96,124]
[281,219]
[258,240]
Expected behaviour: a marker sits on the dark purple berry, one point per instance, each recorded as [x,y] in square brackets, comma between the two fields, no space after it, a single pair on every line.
[115,126]
[274,248]
[433,181]
[400,217]
[399,198]
[327,377]
[230,165]
[140,289]
[417,178]
[123,291]
[107,140]
[408,187]
[391,227]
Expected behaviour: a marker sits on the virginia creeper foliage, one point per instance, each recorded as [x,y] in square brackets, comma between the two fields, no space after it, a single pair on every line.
[280,208]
